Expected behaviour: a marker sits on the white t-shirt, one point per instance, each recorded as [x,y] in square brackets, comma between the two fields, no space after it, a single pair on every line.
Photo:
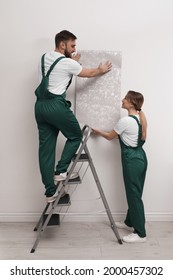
[61,73]
[128,129]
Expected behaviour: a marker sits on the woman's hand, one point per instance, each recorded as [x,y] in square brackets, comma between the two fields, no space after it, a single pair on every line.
[109,135]
[95,131]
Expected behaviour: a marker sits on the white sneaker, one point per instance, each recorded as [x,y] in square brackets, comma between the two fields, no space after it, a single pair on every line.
[134,238]
[50,199]
[63,176]
[122,225]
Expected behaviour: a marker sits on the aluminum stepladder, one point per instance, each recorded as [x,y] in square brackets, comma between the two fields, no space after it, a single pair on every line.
[82,155]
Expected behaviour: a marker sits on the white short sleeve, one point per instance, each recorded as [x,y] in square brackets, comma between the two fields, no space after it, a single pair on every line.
[62,72]
[127,128]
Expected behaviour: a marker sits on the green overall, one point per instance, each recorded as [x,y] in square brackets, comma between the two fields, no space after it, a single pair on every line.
[134,165]
[53,114]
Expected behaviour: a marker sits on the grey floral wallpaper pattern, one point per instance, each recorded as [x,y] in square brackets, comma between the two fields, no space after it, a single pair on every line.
[98,99]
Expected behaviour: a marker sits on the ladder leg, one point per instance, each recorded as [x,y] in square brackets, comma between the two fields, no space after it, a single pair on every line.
[113,226]
[41,229]
[44,225]
[36,241]
[42,215]
[41,218]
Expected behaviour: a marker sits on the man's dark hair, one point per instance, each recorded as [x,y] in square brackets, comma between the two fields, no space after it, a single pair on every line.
[64,35]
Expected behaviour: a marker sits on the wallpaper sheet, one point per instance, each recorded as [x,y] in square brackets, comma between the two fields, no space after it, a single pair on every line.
[98,99]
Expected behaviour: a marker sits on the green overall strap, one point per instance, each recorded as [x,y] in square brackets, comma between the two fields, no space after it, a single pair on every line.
[41,90]
[140,141]
[42,64]
[51,67]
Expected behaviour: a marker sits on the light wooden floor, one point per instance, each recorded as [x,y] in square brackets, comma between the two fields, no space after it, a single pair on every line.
[83,241]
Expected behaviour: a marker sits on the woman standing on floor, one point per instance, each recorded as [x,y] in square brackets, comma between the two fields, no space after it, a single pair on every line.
[131,131]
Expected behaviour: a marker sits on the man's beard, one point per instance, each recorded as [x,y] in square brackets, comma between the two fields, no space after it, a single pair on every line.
[67,54]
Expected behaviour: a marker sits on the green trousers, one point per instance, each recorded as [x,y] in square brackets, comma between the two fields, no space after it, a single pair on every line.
[54,115]
[134,164]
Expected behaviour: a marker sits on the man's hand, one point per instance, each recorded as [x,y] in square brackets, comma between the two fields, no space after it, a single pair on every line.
[105,67]
[95,72]
[76,56]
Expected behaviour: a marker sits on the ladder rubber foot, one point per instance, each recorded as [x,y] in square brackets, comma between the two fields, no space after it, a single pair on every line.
[120,241]
[32,250]
[35,229]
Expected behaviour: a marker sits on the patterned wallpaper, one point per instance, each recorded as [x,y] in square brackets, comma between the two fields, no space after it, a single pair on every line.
[98,99]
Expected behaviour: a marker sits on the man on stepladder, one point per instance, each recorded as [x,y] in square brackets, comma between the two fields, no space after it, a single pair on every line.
[52,110]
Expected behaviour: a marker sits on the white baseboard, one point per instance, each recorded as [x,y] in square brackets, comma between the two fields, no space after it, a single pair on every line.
[33,217]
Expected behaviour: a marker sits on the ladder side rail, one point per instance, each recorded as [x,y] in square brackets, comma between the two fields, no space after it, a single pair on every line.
[54,205]
[43,227]
[44,211]
[36,241]
[79,152]
[100,189]
[41,217]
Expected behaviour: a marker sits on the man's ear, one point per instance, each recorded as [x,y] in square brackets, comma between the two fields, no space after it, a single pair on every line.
[62,45]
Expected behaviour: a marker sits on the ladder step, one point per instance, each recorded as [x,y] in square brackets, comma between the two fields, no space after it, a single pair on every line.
[54,220]
[83,157]
[64,201]
[76,180]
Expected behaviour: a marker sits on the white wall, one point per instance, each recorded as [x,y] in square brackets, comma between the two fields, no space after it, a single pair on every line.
[142,30]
